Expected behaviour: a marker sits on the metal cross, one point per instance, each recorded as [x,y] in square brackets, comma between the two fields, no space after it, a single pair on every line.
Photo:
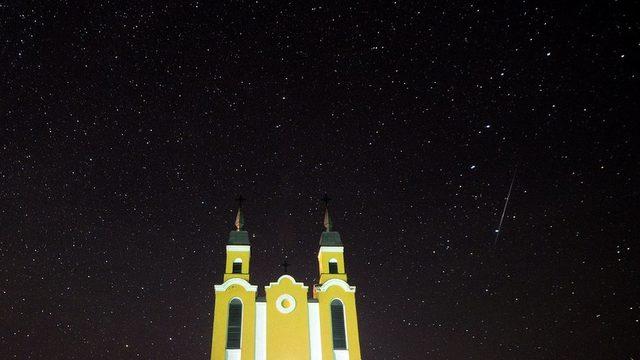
[326,200]
[240,200]
[285,265]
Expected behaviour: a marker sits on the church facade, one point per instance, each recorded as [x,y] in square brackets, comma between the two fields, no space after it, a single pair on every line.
[291,322]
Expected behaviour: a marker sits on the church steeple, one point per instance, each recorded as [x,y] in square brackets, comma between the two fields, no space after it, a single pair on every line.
[330,256]
[329,237]
[239,216]
[239,236]
[238,248]
[328,223]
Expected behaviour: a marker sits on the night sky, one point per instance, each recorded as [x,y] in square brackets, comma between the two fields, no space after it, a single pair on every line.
[126,132]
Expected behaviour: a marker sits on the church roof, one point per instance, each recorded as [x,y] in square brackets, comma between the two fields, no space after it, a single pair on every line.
[239,237]
[330,238]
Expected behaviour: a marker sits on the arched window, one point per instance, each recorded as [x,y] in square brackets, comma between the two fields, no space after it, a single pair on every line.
[237,266]
[234,326]
[333,266]
[337,325]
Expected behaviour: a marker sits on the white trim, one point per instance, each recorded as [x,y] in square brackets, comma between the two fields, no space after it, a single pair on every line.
[240,248]
[336,282]
[286,277]
[333,260]
[315,339]
[236,298]
[341,354]
[339,249]
[282,298]
[236,281]
[261,331]
[232,354]
[237,260]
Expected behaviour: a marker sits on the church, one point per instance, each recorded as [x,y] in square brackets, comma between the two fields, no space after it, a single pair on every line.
[285,324]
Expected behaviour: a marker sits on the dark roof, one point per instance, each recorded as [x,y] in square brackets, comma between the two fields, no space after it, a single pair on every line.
[330,238]
[239,238]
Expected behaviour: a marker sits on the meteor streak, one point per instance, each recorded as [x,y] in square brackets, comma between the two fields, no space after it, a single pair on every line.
[504,210]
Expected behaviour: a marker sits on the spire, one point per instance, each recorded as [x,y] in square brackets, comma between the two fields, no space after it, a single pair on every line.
[328,223]
[329,237]
[240,216]
[239,236]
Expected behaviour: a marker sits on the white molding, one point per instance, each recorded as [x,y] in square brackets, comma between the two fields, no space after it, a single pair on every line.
[261,331]
[282,309]
[333,260]
[236,281]
[286,277]
[315,345]
[339,249]
[239,248]
[233,354]
[341,354]
[337,282]
[241,302]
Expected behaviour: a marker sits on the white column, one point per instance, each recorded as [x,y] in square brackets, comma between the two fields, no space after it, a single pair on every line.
[261,331]
[314,331]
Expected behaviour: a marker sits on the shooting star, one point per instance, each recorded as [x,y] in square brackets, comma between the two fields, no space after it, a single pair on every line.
[506,202]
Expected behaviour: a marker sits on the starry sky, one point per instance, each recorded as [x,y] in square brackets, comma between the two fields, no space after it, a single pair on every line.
[126,132]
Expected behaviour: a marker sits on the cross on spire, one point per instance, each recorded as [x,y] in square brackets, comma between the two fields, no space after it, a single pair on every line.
[285,265]
[325,198]
[328,223]
[240,200]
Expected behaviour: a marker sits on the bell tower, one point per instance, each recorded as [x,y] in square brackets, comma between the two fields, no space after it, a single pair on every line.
[331,254]
[234,315]
[336,298]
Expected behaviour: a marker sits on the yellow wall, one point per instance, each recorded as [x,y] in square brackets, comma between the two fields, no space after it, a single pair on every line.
[245,256]
[326,294]
[287,334]
[221,315]
[324,256]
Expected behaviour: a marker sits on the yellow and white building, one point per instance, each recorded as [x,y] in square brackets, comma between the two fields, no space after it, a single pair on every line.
[285,324]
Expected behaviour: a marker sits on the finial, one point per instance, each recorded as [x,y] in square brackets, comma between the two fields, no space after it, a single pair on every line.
[328,223]
[240,216]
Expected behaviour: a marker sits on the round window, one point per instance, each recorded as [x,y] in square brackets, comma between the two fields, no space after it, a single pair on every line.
[285,303]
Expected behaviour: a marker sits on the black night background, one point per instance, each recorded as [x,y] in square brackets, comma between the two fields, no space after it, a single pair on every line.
[127,130]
